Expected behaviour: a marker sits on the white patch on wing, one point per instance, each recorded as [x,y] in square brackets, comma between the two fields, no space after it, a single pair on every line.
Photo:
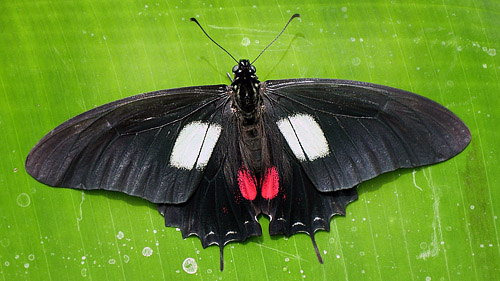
[304,136]
[194,145]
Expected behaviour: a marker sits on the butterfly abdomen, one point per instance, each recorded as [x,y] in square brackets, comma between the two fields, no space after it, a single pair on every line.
[257,178]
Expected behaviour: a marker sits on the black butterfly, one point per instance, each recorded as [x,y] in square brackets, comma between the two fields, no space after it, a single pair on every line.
[215,157]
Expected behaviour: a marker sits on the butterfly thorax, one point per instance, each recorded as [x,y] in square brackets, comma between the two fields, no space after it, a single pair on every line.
[246,98]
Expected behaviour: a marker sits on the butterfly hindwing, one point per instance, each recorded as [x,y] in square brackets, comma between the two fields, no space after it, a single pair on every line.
[344,132]
[299,206]
[155,145]
[218,212]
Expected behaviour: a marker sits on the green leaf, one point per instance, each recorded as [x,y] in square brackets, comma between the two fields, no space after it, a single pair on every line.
[61,58]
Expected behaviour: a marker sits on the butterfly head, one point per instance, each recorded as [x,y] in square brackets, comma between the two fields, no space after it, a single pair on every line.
[244,70]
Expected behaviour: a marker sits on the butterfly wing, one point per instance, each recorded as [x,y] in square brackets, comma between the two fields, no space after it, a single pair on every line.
[323,138]
[345,132]
[155,145]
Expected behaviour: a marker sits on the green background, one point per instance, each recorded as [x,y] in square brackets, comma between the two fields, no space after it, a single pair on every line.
[61,58]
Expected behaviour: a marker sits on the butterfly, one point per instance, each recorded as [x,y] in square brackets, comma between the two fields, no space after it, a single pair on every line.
[216,157]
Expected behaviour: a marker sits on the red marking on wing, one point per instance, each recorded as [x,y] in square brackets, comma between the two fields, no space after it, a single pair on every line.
[270,184]
[246,183]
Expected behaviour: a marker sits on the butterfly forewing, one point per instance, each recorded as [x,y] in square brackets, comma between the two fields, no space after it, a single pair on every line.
[369,129]
[130,145]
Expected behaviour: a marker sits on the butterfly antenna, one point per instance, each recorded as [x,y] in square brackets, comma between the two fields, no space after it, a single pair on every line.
[294,16]
[193,19]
